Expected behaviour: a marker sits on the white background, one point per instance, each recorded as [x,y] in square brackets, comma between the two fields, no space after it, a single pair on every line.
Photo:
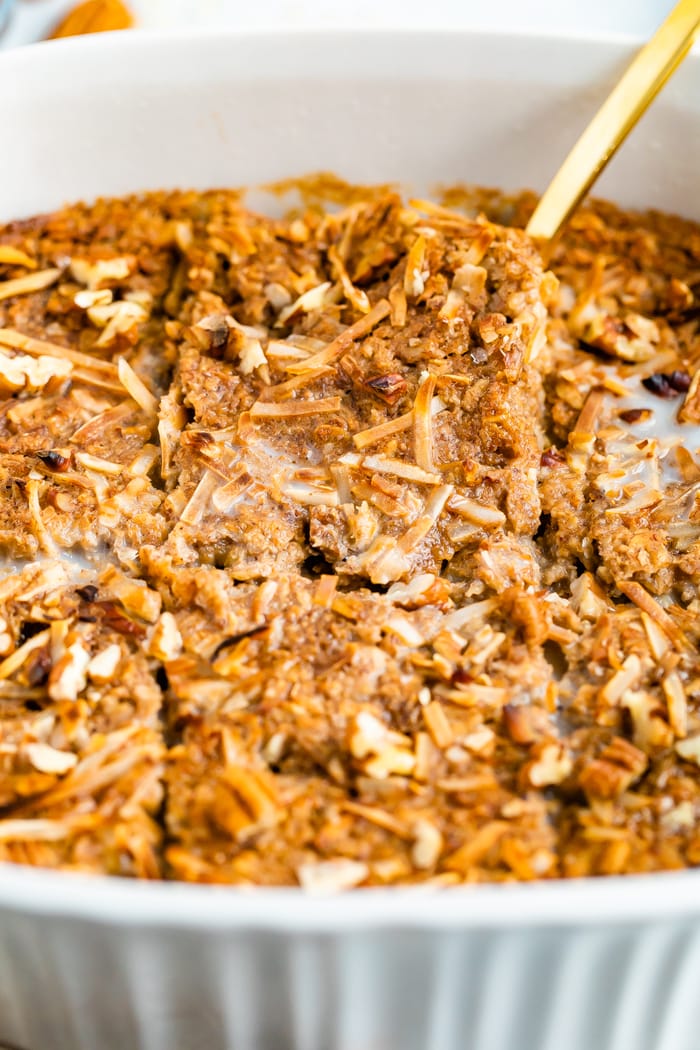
[35,18]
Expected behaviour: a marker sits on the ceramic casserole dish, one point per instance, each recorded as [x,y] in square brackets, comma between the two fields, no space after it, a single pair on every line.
[89,963]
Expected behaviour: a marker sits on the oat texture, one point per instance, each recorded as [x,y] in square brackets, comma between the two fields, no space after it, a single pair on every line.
[355,547]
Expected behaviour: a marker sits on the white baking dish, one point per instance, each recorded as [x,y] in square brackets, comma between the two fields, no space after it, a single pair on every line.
[93,964]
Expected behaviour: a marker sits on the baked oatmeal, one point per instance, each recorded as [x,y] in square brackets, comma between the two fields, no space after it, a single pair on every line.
[355,547]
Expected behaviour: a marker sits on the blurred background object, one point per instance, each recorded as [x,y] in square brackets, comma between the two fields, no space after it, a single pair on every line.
[35,19]
[5,7]
[94,16]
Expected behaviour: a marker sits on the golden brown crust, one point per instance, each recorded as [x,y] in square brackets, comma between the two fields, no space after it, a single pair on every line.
[358,548]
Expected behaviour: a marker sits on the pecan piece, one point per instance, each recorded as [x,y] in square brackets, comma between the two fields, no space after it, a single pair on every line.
[618,766]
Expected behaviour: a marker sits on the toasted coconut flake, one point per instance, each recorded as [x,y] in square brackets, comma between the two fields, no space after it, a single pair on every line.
[253,792]
[476,847]
[329,876]
[688,469]
[310,495]
[171,423]
[590,413]
[383,430]
[404,630]
[437,724]
[50,760]
[400,469]
[473,694]
[659,643]
[416,591]
[33,830]
[13,662]
[426,756]
[183,235]
[689,749]
[355,296]
[58,631]
[690,409]
[31,282]
[341,343]
[200,499]
[136,388]
[277,295]
[103,666]
[423,423]
[325,591]
[475,512]
[677,703]
[40,348]
[380,818]
[313,299]
[469,614]
[474,782]
[40,531]
[416,274]
[143,462]
[425,522]
[264,598]
[641,598]
[452,306]
[287,351]
[97,380]
[100,422]
[622,680]
[280,391]
[10,256]
[100,466]
[372,494]
[428,845]
[101,768]
[393,761]
[341,476]
[286,409]
[228,496]
[399,306]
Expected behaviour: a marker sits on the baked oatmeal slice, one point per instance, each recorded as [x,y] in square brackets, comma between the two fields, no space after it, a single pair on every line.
[344,736]
[620,485]
[363,392]
[81,747]
[630,698]
[83,358]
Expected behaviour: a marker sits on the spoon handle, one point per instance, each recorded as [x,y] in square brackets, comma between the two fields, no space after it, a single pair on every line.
[623,107]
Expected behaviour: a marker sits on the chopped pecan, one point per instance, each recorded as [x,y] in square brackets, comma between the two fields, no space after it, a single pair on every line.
[390,387]
[617,767]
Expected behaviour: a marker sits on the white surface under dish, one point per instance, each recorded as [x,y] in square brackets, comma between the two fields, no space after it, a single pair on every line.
[94,964]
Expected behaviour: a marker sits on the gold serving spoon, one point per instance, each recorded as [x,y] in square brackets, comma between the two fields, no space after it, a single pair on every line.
[613,122]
